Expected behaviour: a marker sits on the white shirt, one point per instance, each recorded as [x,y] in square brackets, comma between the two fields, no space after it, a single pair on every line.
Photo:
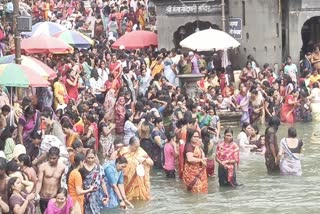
[95,85]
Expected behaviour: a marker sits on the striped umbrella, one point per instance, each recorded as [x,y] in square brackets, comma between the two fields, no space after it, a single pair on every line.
[45,28]
[33,63]
[75,39]
[20,76]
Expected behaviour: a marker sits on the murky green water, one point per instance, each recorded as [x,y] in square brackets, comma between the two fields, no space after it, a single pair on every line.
[261,193]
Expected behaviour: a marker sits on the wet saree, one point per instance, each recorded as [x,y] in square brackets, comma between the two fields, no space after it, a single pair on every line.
[136,187]
[113,176]
[290,164]
[93,200]
[195,174]
[227,173]
[287,111]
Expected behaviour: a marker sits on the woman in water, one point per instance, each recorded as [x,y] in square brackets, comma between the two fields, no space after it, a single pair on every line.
[289,154]
[61,204]
[227,156]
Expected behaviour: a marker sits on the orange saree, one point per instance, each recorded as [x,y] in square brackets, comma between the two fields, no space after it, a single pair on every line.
[195,174]
[136,187]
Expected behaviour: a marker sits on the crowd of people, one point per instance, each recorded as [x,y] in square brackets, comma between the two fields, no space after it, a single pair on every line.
[89,141]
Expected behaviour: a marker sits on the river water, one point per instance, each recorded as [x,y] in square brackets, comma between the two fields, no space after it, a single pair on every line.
[260,193]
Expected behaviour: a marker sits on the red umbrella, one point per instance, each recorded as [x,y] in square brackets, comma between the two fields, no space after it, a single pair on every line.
[137,39]
[45,44]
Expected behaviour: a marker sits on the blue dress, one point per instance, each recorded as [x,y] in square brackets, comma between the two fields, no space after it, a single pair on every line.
[113,176]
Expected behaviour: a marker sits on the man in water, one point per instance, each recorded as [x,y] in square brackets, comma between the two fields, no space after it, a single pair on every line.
[49,176]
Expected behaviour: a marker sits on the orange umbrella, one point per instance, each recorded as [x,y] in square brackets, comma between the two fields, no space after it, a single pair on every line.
[45,44]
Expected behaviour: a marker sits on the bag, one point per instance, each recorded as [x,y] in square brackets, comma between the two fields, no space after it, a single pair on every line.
[140,170]
[90,143]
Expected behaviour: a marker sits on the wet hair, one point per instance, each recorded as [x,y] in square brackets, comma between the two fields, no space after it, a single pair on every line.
[157,120]
[171,135]
[3,164]
[205,136]
[121,160]
[77,144]
[228,130]
[47,114]
[35,135]
[12,166]
[67,124]
[63,190]
[10,184]
[292,132]
[133,140]
[5,108]
[54,151]
[256,128]
[274,122]
[244,126]
[90,151]
[128,115]
[25,159]
[29,110]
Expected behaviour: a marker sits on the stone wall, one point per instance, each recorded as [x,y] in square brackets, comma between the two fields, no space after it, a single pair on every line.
[261,32]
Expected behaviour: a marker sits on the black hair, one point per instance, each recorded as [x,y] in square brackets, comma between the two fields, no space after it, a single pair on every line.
[170,135]
[205,136]
[10,184]
[25,159]
[63,190]
[35,135]
[54,151]
[228,130]
[47,114]
[274,122]
[244,126]
[121,160]
[157,120]
[5,108]
[6,133]
[77,160]
[256,128]
[3,164]
[292,132]
[128,115]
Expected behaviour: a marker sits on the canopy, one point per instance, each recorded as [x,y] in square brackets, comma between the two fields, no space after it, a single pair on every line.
[33,63]
[209,40]
[75,39]
[45,28]
[45,44]
[137,39]
[20,76]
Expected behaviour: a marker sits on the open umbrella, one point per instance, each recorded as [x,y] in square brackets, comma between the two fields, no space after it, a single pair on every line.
[209,40]
[137,39]
[45,44]
[20,76]
[45,28]
[33,63]
[75,39]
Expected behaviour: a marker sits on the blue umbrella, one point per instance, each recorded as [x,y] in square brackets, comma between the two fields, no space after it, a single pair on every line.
[45,28]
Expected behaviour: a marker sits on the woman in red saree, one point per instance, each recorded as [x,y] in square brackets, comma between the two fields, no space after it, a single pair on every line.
[227,156]
[195,172]
[289,106]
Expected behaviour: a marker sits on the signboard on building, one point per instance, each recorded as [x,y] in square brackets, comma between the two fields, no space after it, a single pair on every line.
[235,27]
[194,7]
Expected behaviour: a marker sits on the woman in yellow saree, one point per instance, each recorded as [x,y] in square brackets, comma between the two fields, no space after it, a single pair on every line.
[137,172]
[195,172]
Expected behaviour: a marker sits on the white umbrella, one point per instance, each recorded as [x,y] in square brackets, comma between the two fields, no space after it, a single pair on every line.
[209,40]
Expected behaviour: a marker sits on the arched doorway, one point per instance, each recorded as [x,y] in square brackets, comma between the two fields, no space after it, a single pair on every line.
[186,30]
[310,34]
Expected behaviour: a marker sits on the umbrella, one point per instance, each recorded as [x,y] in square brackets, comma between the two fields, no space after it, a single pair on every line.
[137,39]
[45,28]
[15,75]
[45,44]
[33,63]
[75,39]
[209,40]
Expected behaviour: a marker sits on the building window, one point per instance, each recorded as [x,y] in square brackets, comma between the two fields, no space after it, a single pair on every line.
[278,31]
[244,13]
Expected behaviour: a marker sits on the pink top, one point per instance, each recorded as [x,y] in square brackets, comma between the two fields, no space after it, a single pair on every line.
[53,209]
[169,157]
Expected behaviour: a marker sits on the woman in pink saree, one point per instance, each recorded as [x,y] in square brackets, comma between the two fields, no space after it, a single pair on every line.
[227,156]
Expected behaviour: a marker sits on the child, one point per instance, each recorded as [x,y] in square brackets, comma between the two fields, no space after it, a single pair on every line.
[170,154]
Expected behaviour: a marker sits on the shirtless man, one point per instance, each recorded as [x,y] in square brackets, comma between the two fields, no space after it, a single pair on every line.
[4,208]
[49,175]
